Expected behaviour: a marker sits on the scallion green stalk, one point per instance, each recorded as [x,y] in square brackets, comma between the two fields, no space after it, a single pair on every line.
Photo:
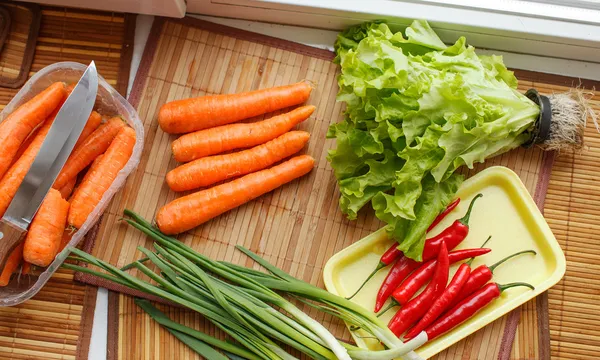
[245,303]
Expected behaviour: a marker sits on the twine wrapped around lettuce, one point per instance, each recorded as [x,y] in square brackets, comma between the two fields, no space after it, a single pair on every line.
[417,110]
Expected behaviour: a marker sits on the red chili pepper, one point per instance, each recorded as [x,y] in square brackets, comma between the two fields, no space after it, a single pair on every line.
[399,272]
[452,235]
[443,302]
[481,275]
[418,306]
[444,213]
[419,277]
[468,307]
[393,253]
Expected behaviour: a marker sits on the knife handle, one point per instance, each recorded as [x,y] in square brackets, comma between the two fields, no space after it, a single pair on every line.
[10,237]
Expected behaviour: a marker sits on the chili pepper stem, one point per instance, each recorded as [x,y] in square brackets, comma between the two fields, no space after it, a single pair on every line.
[392,304]
[465,219]
[481,247]
[510,257]
[508,286]
[380,266]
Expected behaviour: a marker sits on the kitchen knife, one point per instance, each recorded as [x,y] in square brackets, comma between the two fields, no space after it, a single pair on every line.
[48,163]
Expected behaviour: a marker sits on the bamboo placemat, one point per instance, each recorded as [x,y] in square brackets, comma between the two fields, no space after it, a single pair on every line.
[17,53]
[573,212]
[57,322]
[297,227]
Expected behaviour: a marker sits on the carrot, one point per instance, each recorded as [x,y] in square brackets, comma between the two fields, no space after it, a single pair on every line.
[100,177]
[95,144]
[18,125]
[67,190]
[67,236]
[26,268]
[45,233]
[236,136]
[192,210]
[209,170]
[12,263]
[90,126]
[184,116]
[12,180]
[70,87]
[25,145]
[93,168]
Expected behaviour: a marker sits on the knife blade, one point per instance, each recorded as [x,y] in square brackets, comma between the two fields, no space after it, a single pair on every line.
[48,163]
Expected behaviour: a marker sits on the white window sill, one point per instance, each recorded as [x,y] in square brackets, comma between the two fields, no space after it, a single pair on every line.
[531,37]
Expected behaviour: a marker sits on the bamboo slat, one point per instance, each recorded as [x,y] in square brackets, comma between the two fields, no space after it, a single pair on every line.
[57,322]
[297,227]
[17,53]
[572,212]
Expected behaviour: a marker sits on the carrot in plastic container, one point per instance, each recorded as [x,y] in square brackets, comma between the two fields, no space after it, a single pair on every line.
[12,263]
[184,116]
[21,122]
[46,231]
[237,136]
[192,210]
[67,236]
[67,189]
[12,180]
[91,170]
[92,124]
[93,146]
[209,170]
[100,177]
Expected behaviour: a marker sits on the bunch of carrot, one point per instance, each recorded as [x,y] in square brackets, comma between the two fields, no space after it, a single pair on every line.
[206,149]
[65,208]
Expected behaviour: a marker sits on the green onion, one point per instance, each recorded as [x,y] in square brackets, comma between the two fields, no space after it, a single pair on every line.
[200,342]
[246,304]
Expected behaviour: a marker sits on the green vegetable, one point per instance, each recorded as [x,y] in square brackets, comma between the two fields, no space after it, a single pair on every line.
[244,303]
[417,110]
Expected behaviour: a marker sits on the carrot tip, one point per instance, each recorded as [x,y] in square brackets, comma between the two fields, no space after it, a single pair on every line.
[313,84]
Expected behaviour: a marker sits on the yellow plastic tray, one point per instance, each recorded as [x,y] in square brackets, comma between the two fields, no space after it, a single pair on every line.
[508,213]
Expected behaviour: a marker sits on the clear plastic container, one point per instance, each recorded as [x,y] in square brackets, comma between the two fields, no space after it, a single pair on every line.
[108,103]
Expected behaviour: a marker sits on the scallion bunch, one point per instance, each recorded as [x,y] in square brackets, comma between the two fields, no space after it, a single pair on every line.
[248,305]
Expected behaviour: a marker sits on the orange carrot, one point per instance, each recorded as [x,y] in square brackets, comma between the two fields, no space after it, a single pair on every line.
[90,126]
[95,144]
[192,210]
[184,116]
[67,190]
[236,136]
[12,180]
[12,263]
[25,145]
[45,233]
[209,170]
[18,125]
[70,87]
[91,170]
[26,268]
[100,177]
[67,236]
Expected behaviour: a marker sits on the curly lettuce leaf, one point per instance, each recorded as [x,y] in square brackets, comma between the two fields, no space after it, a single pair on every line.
[417,110]
[433,200]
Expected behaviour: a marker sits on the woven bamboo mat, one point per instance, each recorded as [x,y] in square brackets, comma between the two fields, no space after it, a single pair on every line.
[297,227]
[17,54]
[57,322]
[573,212]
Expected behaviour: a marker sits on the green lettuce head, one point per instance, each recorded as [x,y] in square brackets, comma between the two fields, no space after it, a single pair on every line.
[417,110]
